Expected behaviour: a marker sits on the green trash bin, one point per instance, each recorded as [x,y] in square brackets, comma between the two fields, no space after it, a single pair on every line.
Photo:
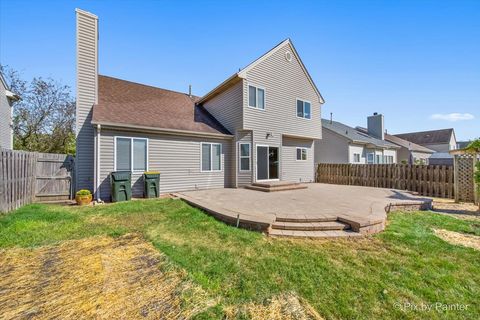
[151,186]
[121,183]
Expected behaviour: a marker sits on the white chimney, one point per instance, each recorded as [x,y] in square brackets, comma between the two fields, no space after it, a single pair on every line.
[375,126]
[87,89]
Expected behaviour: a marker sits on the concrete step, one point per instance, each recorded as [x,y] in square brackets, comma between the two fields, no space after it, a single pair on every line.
[314,234]
[276,188]
[311,226]
[304,218]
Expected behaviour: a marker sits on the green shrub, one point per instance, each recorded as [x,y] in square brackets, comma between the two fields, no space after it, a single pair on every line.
[83,192]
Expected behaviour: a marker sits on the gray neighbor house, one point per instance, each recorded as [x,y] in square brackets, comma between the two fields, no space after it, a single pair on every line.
[260,124]
[7,98]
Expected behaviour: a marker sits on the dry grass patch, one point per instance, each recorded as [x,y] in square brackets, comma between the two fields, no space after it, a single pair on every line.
[98,277]
[456,238]
[286,306]
[465,211]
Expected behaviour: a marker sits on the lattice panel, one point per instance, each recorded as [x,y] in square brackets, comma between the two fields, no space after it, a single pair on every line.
[464,184]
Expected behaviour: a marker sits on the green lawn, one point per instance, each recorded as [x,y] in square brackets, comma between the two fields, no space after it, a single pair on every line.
[342,279]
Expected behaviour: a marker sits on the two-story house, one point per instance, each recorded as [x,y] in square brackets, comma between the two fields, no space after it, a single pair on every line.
[260,124]
[7,98]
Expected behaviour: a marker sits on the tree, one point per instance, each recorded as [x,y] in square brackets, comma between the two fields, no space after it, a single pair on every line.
[44,118]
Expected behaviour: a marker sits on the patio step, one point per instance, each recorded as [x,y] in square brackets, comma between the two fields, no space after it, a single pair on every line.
[276,186]
[314,234]
[310,226]
[304,218]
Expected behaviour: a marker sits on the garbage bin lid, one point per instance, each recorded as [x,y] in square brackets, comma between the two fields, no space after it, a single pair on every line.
[121,175]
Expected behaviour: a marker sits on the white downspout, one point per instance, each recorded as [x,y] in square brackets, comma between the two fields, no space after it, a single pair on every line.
[98,163]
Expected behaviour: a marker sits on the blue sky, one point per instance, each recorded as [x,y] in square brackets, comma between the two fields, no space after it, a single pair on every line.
[417,62]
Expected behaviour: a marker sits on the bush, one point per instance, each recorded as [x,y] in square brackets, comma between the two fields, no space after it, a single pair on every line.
[83,192]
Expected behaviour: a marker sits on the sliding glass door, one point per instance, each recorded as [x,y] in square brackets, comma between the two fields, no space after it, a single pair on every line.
[267,163]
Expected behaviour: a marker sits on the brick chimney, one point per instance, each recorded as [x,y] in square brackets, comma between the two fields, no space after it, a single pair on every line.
[87,89]
[375,126]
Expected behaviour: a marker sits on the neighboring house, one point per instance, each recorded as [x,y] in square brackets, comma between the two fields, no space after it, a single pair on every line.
[463,144]
[6,110]
[344,144]
[410,152]
[441,158]
[258,125]
[442,140]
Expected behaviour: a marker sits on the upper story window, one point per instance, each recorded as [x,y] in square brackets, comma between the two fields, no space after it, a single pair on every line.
[256,97]
[211,156]
[303,109]
[131,154]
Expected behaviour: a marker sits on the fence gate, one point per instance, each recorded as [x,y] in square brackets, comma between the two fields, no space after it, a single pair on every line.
[54,177]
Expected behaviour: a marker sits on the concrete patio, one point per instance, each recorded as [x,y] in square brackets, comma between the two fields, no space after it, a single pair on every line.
[320,210]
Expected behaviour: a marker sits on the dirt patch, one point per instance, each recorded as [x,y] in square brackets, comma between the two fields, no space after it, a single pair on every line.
[456,238]
[286,306]
[99,277]
[465,211]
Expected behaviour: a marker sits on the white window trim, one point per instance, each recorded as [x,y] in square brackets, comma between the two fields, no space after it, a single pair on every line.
[306,154]
[131,153]
[264,97]
[211,157]
[373,158]
[249,157]
[268,167]
[359,157]
[311,109]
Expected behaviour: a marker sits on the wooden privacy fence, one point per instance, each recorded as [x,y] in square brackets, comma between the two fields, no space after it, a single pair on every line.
[26,177]
[427,180]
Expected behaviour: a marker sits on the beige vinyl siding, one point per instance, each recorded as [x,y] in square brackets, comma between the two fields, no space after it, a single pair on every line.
[333,148]
[284,82]
[244,177]
[226,107]
[176,157]
[5,119]
[86,95]
[292,169]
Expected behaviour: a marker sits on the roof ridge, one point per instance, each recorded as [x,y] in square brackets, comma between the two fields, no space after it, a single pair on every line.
[148,85]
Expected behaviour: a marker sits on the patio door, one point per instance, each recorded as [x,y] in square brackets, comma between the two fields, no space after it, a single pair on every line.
[267,163]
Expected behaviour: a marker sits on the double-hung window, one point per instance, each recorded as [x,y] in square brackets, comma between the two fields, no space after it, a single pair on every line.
[131,154]
[356,157]
[211,156]
[370,158]
[303,109]
[256,97]
[244,153]
[301,154]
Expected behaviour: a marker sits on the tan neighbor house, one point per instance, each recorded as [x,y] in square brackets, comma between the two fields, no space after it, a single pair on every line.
[258,125]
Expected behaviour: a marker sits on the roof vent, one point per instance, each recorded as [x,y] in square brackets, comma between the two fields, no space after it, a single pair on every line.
[288,56]
[375,113]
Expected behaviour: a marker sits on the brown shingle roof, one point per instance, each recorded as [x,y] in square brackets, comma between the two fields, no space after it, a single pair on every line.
[124,102]
[428,137]
[407,144]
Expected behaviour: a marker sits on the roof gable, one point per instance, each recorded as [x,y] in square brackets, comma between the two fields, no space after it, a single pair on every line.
[242,74]
[288,42]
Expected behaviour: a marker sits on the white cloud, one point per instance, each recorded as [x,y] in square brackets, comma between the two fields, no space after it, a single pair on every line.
[452,116]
